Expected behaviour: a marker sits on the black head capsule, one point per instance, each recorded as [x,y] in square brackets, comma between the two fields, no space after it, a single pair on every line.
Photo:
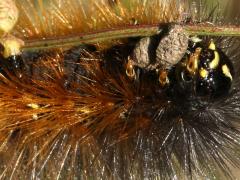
[204,72]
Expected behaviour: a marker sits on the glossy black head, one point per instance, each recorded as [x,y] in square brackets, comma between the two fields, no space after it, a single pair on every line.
[205,73]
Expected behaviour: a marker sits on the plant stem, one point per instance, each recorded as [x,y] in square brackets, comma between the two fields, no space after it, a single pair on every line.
[211,30]
[128,31]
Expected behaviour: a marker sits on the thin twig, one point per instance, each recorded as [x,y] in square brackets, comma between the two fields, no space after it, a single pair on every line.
[129,31]
[211,30]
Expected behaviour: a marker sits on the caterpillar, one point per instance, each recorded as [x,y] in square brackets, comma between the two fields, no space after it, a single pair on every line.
[99,110]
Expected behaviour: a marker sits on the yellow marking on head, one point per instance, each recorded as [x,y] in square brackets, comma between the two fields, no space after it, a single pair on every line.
[203,73]
[212,45]
[226,71]
[214,63]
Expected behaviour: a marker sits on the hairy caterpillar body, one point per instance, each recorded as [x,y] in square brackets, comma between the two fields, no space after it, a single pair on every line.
[74,113]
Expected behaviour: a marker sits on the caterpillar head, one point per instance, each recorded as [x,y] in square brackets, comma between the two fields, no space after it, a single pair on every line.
[204,72]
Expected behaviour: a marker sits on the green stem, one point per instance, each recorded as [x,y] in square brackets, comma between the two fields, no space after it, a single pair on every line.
[129,31]
[210,30]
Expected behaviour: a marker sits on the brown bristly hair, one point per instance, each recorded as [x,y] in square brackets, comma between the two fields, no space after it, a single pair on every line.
[53,19]
[55,123]
[42,107]
[45,96]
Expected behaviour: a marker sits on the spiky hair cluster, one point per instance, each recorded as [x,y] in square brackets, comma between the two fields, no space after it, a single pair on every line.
[73,113]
